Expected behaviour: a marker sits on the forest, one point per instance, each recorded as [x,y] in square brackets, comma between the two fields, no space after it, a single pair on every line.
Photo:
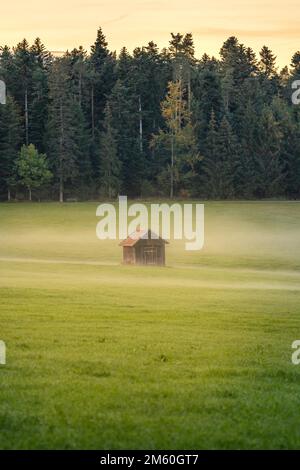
[152,123]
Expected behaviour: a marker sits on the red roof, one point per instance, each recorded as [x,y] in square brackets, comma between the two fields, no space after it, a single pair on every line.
[140,235]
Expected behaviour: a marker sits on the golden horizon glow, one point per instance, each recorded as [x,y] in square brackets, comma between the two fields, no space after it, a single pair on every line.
[67,24]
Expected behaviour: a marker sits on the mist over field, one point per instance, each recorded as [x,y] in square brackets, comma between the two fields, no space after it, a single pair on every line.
[257,234]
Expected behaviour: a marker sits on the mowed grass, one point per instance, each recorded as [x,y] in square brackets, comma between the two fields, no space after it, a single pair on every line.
[193,355]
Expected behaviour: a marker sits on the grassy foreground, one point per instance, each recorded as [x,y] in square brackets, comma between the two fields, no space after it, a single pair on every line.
[194,355]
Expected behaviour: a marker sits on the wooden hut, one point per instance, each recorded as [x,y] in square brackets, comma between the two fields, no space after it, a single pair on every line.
[144,247]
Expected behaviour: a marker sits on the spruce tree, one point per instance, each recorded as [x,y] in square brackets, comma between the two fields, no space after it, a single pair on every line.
[211,160]
[25,64]
[125,121]
[102,65]
[10,140]
[295,63]
[267,64]
[221,159]
[65,133]
[269,170]
[110,164]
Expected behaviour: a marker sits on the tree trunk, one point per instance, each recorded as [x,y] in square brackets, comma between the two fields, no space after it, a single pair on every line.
[61,169]
[93,113]
[8,195]
[141,125]
[80,88]
[61,190]
[172,168]
[30,195]
[26,118]
[180,104]
[189,90]
[109,184]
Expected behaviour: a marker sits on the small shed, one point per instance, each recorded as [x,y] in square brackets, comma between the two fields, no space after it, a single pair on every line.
[144,247]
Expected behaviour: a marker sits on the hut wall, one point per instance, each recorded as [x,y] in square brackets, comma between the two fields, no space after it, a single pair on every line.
[128,255]
[150,252]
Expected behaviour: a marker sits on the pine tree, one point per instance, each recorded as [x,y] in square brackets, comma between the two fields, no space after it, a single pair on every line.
[267,64]
[207,97]
[211,160]
[39,110]
[289,159]
[8,70]
[65,133]
[10,140]
[182,52]
[41,56]
[102,65]
[295,66]
[110,164]
[147,78]
[24,63]
[238,65]
[245,172]
[221,159]
[269,172]
[125,121]
[229,152]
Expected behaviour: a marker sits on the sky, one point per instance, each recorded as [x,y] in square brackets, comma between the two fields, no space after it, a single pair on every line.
[65,24]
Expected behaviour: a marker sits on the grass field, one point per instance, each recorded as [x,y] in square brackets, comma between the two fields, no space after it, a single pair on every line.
[193,355]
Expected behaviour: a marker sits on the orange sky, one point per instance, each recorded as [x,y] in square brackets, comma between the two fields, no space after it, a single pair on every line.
[63,24]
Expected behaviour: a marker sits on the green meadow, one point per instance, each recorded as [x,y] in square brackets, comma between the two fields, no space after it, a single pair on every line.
[193,355]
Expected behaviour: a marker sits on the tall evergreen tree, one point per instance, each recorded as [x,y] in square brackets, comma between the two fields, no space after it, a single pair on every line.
[269,174]
[267,64]
[221,160]
[10,140]
[8,70]
[40,94]
[102,65]
[66,136]
[110,164]
[24,62]
[125,121]
[295,63]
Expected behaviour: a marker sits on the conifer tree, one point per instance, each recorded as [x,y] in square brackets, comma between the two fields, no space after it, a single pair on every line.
[269,171]
[295,63]
[24,63]
[65,133]
[125,121]
[267,64]
[10,140]
[110,164]
[221,159]
[102,65]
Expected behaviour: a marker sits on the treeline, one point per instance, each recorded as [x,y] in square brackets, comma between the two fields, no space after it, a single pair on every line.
[150,123]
